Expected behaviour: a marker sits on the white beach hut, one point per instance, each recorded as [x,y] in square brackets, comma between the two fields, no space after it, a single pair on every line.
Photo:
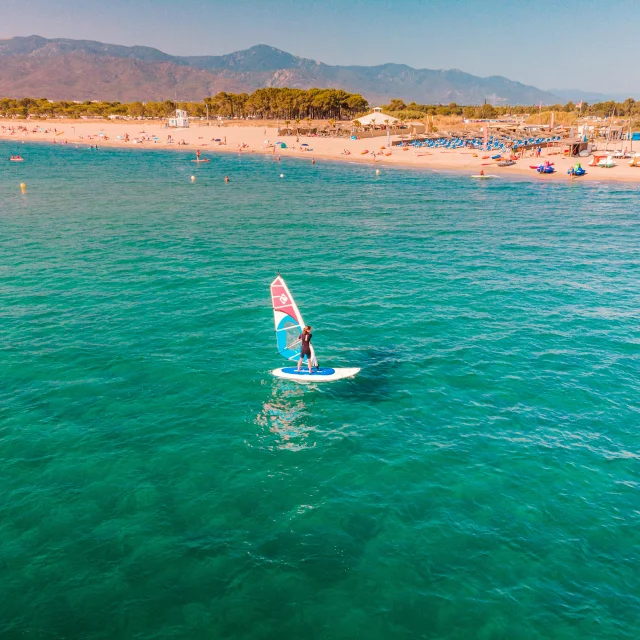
[181,121]
[377,119]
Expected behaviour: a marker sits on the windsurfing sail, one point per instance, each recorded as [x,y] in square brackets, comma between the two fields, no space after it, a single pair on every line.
[288,322]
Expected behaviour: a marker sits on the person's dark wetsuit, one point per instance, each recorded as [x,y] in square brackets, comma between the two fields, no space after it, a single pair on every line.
[305,338]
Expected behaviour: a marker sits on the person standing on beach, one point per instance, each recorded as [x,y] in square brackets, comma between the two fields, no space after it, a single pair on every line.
[305,339]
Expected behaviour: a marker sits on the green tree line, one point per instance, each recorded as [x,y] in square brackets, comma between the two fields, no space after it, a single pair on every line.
[263,103]
[45,108]
[296,104]
[274,102]
[398,108]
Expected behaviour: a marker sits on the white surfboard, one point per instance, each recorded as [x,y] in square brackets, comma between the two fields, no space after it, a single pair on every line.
[318,374]
[289,326]
[479,177]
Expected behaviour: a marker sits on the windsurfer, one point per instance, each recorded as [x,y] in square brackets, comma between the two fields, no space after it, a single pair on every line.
[305,339]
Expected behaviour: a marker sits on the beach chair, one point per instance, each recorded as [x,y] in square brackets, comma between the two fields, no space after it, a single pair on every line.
[608,163]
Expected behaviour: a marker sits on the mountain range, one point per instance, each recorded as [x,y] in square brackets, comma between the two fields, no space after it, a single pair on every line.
[576,95]
[64,69]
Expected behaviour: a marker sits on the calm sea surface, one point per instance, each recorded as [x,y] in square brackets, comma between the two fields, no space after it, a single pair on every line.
[479,479]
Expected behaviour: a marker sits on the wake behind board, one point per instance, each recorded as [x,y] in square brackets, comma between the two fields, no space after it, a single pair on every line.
[318,374]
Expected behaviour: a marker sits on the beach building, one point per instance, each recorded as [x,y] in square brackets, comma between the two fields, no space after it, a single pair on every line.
[377,119]
[181,121]
[578,147]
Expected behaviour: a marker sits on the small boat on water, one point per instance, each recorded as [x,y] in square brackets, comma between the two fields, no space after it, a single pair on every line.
[16,159]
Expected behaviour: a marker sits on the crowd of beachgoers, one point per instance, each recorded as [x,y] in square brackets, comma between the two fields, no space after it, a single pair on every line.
[445,153]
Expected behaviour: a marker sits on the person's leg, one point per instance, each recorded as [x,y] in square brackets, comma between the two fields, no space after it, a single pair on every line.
[300,362]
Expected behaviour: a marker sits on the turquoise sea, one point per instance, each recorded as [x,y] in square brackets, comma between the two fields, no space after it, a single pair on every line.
[479,479]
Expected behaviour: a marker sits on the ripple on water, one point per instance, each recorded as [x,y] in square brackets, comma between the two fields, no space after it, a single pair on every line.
[479,478]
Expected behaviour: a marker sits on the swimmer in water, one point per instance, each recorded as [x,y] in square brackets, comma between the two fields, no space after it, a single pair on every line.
[226,178]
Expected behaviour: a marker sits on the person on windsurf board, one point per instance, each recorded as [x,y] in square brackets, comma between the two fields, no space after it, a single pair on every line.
[305,350]
[293,339]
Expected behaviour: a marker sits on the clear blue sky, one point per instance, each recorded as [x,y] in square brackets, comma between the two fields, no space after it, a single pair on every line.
[596,42]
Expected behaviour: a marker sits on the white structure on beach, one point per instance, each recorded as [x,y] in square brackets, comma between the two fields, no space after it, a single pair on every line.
[377,118]
[180,121]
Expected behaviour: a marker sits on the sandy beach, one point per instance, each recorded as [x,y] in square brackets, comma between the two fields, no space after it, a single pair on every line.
[257,138]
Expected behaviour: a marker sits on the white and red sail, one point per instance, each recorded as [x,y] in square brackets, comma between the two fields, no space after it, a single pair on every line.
[288,321]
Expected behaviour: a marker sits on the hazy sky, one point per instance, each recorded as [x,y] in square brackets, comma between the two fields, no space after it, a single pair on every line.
[587,44]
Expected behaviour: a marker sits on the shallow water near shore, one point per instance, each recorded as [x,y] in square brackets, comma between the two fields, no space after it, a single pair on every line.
[479,479]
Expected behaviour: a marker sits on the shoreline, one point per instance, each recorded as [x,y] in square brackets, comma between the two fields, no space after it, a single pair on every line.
[251,140]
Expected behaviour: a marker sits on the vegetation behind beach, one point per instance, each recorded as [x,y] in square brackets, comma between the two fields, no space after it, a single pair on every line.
[312,104]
